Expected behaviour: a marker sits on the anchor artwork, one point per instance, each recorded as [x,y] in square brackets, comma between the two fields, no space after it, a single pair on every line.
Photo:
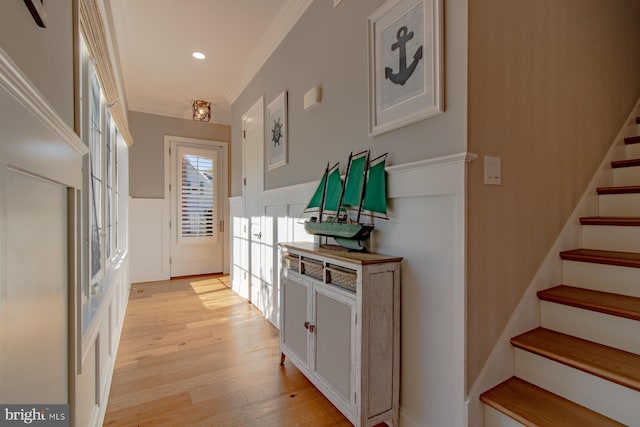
[404,72]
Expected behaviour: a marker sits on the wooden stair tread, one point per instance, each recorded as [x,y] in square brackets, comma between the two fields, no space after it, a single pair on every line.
[611,220]
[629,189]
[620,367]
[624,259]
[625,163]
[533,406]
[632,140]
[601,302]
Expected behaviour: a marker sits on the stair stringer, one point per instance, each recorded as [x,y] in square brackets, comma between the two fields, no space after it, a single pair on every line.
[501,362]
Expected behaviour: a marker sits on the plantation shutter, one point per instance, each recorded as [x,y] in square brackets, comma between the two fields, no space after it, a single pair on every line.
[197,213]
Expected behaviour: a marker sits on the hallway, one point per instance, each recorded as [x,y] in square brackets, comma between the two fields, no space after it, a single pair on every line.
[194,353]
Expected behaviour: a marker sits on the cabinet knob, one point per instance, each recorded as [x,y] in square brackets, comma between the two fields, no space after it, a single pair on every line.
[306,325]
[312,328]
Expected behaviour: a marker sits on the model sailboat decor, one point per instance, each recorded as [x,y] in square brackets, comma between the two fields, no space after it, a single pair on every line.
[342,204]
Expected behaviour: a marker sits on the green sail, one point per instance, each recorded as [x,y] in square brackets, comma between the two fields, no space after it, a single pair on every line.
[375,199]
[334,187]
[353,186]
[316,200]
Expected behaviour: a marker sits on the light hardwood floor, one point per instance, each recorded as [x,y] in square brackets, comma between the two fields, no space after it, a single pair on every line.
[193,353]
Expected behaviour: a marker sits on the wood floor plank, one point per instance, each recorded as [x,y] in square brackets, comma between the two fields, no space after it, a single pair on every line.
[194,353]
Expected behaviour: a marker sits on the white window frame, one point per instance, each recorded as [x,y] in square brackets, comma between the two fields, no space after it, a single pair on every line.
[92,289]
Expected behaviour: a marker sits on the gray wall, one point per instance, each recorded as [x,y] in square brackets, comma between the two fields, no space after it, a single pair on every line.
[45,55]
[146,155]
[329,47]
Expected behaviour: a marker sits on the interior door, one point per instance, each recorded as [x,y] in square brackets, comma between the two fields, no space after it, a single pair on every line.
[196,210]
[253,168]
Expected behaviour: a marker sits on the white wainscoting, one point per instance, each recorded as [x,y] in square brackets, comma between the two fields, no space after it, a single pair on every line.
[41,178]
[149,239]
[427,207]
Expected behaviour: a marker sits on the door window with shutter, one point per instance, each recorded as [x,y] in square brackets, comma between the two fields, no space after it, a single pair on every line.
[197,211]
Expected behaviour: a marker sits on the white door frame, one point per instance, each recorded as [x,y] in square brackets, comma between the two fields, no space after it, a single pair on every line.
[224,199]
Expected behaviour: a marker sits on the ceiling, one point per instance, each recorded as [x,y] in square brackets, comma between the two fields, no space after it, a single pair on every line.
[154,40]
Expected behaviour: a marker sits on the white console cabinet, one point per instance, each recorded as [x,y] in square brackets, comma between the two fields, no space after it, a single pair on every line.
[340,325]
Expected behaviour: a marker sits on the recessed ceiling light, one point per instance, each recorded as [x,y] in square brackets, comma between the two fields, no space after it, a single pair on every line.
[198,55]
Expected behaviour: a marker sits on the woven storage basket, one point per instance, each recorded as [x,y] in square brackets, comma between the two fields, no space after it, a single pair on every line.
[292,262]
[343,277]
[312,268]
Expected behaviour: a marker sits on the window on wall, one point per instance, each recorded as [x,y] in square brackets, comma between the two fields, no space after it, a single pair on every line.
[197,195]
[96,180]
[100,133]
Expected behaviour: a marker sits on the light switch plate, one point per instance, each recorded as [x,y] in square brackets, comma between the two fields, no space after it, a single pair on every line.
[492,170]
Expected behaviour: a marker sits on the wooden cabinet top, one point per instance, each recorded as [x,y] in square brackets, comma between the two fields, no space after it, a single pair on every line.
[362,258]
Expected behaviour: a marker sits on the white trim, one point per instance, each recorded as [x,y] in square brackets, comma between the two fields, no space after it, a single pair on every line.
[413,179]
[500,363]
[279,28]
[20,87]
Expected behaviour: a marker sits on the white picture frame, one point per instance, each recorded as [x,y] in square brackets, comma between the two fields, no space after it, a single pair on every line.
[277,132]
[406,66]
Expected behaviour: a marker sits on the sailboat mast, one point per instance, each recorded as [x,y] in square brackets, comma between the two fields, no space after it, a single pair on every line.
[324,192]
[364,185]
[346,175]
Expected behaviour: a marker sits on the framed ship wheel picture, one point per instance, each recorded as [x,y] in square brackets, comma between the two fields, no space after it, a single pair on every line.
[277,132]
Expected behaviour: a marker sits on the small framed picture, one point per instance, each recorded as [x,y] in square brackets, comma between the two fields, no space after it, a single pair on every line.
[405,63]
[38,12]
[277,132]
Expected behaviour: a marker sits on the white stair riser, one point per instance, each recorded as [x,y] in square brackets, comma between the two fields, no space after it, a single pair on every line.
[633,151]
[626,176]
[619,204]
[602,277]
[611,238]
[613,331]
[610,399]
[494,418]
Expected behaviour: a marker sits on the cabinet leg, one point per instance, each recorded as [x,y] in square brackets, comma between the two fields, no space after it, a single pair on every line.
[282,357]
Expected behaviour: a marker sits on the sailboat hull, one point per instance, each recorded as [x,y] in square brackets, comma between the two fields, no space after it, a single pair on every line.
[351,231]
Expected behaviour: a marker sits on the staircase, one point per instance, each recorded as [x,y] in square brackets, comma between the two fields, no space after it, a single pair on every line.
[581,367]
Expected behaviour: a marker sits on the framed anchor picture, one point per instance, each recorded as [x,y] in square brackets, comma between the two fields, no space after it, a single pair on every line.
[277,132]
[406,67]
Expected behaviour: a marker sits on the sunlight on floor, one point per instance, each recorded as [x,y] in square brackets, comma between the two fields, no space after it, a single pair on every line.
[206,290]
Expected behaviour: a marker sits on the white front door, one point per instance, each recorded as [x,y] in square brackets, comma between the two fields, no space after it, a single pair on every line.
[196,193]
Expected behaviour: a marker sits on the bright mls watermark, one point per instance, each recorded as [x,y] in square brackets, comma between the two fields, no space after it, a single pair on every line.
[34,415]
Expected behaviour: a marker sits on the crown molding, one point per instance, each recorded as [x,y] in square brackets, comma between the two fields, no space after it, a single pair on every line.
[279,28]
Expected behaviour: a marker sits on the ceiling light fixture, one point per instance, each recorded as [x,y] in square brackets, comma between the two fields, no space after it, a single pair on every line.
[198,55]
[201,110]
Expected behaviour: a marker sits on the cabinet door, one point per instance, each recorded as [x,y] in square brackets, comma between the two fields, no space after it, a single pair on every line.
[334,341]
[296,312]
